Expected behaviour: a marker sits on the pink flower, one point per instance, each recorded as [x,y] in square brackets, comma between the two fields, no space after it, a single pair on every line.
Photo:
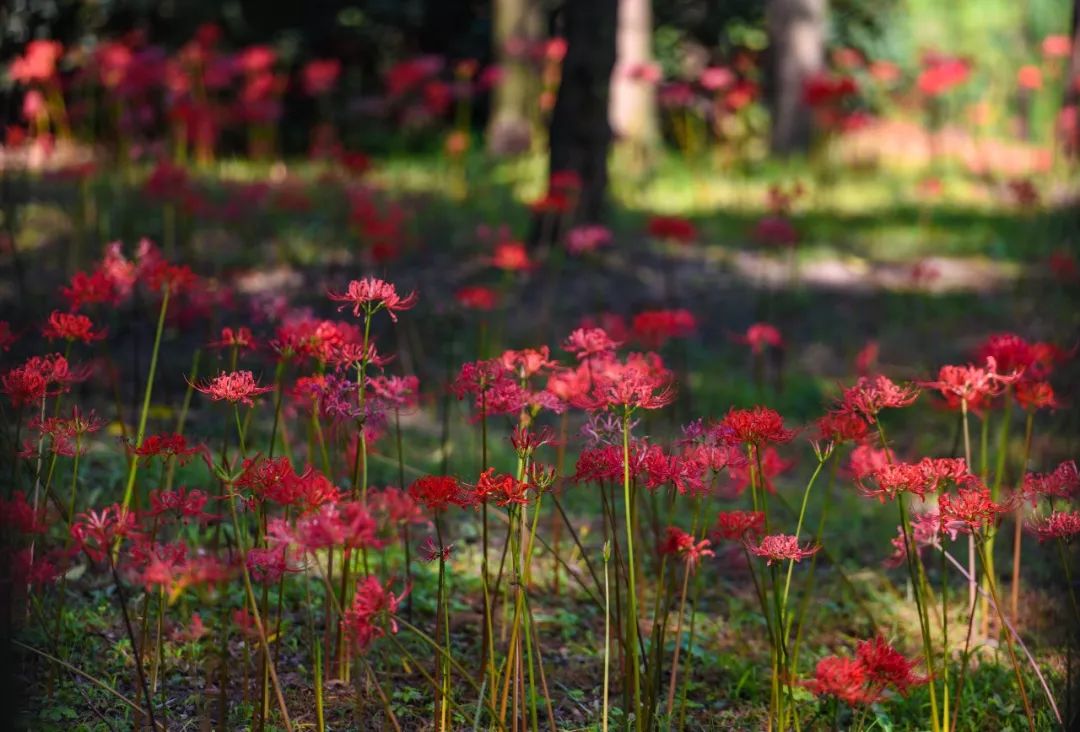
[781,547]
[372,295]
[237,387]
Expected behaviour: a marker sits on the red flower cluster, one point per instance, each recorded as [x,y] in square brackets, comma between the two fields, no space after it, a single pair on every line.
[862,680]
[760,336]
[654,328]
[438,492]
[237,387]
[970,510]
[373,607]
[1059,525]
[925,476]
[871,394]
[972,385]
[371,295]
[680,544]
[755,427]
[781,548]
[738,525]
[71,327]
[672,228]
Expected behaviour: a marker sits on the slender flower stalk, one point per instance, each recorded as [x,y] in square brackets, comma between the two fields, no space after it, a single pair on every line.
[133,469]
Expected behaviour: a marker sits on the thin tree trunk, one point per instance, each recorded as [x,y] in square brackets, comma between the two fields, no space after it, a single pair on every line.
[518,27]
[797,50]
[580,132]
[633,112]
[1071,132]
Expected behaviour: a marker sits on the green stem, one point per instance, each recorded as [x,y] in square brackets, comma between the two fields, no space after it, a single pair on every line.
[632,640]
[134,468]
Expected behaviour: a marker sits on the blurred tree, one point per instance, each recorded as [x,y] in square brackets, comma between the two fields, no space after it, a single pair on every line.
[1070,111]
[796,51]
[517,32]
[633,113]
[580,131]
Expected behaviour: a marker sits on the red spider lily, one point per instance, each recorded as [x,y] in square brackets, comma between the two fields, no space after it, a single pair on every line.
[772,465]
[166,446]
[672,228]
[527,362]
[866,459]
[760,336]
[970,510]
[1063,482]
[942,73]
[586,343]
[775,231]
[237,387]
[193,633]
[322,340]
[682,472]
[589,238]
[397,506]
[1013,353]
[71,327]
[178,278]
[438,492]
[842,678]
[38,62]
[7,336]
[320,75]
[62,431]
[738,525]
[605,464]
[477,297]
[654,328]
[1059,525]
[399,392]
[17,514]
[40,377]
[823,89]
[681,544]
[502,489]
[241,339]
[33,571]
[755,427]
[887,667]
[1033,395]
[480,378]
[1056,46]
[838,427]
[342,524]
[429,552]
[871,394]
[372,295]
[925,476]
[973,385]
[570,384]
[372,610]
[525,440]
[96,532]
[639,383]
[780,548]
[511,256]
[866,359]
[267,566]
[187,504]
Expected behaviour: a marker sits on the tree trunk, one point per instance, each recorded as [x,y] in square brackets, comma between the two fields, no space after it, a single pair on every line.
[580,132]
[1070,130]
[633,100]
[797,50]
[518,27]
